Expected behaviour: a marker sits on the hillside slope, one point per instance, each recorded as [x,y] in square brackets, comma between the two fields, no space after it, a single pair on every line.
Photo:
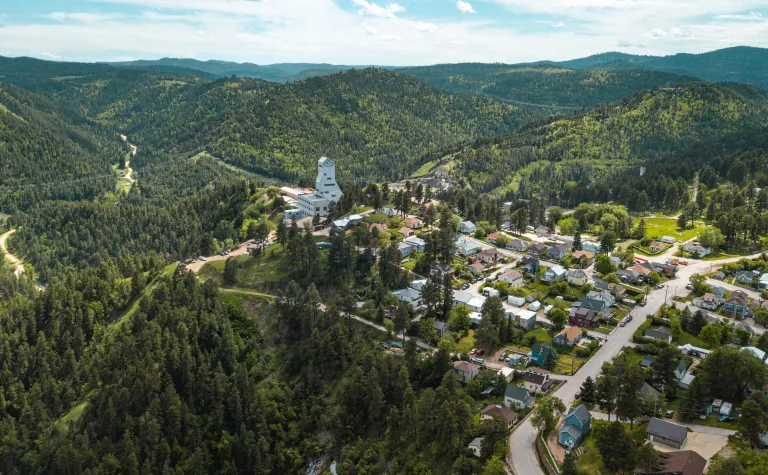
[555,86]
[585,150]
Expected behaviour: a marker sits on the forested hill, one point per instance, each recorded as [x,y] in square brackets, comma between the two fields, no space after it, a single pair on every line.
[544,85]
[571,153]
[741,64]
[375,123]
[47,153]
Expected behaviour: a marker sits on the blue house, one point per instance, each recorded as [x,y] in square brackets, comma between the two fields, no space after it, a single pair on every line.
[576,426]
[530,265]
[539,353]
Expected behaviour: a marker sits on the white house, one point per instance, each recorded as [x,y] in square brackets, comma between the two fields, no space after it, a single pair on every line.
[604,296]
[476,446]
[466,248]
[668,239]
[526,319]
[763,281]
[556,272]
[405,249]
[476,303]
[518,397]
[410,296]
[350,220]
[388,211]
[755,351]
[697,249]
[513,278]
[516,301]
[416,243]
[467,227]
[462,297]
[418,284]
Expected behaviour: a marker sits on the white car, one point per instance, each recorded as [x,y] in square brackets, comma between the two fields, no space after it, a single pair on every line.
[202,258]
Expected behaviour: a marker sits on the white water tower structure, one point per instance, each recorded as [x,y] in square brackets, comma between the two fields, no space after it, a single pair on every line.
[326,180]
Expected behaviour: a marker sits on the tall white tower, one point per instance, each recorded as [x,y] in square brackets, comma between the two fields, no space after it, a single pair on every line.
[326,180]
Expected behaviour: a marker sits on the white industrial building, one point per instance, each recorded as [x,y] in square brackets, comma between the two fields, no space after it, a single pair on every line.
[327,191]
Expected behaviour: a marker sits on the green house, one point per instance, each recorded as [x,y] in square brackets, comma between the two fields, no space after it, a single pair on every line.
[539,353]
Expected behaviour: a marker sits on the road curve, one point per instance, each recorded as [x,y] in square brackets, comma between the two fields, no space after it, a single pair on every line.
[14,261]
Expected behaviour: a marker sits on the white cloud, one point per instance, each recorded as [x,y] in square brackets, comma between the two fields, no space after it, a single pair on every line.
[658,33]
[372,32]
[424,27]
[751,16]
[82,17]
[559,24]
[370,8]
[464,7]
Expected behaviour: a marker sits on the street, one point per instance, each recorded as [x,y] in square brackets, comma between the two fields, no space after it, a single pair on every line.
[522,458]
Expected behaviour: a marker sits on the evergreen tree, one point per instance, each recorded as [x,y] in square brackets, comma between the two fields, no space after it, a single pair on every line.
[577,246]
[616,448]
[589,391]
[230,271]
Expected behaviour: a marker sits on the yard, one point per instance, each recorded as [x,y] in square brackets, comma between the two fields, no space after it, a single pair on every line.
[685,338]
[467,343]
[590,460]
[659,227]
[260,273]
[567,364]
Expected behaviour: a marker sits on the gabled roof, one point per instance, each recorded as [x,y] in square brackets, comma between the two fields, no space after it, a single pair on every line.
[512,275]
[682,367]
[737,297]
[529,260]
[581,413]
[667,430]
[648,392]
[517,393]
[465,366]
[570,333]
[578,273]
[683,462]
[508,414]
[535,378]
[593,304]
[541,347]
[660,333]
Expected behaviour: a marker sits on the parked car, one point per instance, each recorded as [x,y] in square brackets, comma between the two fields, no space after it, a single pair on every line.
[642,304]
[397,344]
[659,286]
[724,419]
[669,414]
[478,361]
[689,287]
[473,351]
[480,352]
[202,258]
[622,323]
[502,356]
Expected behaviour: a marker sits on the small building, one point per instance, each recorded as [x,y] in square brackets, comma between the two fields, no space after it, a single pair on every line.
[517,245]
[683,462]
[591,246]
[558,251]
[534,306]
[757,352]
[493,237]
[746,276]
[685,381]
[553,274]
[491,292]
[649,394]
[580,255]
[497,410]
[695,351]
[736,304]
[442,328]
[476,446]
[388,211]
[719,291]
[413,223]
[540,351]
[441,269]
[603,296]
[628,275]
[537,249]
[661,334]
[535,383]
[406,232]
[410,296]
[668,239]
[380,227]
[516,301]
[518,398]
[513,278]
[418,284]
[465,370]
[576,277]
[680,370]
[530,265]
[476,269]
[666,433]
[568,337]
[697,249]
[726,408]
[526,319]
[583,317]
[576,426]
[490,256]
[466,248]
[709,301]
[467,227]
[657,246]
[647,361]
[416,243]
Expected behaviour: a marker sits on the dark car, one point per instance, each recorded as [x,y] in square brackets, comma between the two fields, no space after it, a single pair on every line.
[669,414]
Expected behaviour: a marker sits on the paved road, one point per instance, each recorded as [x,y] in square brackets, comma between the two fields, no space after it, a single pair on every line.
[523,456]
[693,427]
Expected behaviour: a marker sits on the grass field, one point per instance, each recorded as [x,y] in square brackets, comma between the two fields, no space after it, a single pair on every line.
[567,364]
[659,227]
[467,343]
[425,169]
[590,460]
[261,273]
[685,338]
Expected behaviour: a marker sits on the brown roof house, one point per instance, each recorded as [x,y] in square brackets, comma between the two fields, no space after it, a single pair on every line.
[683,462]
[510,416]
[465,370]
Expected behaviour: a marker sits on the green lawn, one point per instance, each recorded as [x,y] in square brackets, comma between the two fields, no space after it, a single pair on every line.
[467,343]
[604,329]
[659,227]
[541,335]
[590,460]
[261,273]
[425,169]
[72,416]
[567,364]
[688,338]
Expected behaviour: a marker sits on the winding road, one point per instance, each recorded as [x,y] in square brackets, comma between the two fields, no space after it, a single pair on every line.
[13,260]
[128,170]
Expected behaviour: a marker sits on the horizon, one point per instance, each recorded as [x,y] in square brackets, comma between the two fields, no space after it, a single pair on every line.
[363,32]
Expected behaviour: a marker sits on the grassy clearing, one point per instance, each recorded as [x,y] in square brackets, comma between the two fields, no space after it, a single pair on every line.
[260,273]
[425,169]
[72,416]
[134,306]
[604,329]
[542,335]
[686,338]
[467,343]
[567,364]
[659,227]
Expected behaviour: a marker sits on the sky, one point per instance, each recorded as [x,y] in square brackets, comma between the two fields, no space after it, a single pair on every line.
[382,32]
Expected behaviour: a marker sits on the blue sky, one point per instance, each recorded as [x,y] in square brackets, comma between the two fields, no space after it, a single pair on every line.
[402,32]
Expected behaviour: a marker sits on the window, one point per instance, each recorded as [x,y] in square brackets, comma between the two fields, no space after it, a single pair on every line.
[325,208]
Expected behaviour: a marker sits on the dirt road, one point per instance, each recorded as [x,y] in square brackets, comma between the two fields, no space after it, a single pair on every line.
[128,169]
[13,260]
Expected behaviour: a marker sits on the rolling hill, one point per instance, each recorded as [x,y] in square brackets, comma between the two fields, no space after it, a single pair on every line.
[585,150]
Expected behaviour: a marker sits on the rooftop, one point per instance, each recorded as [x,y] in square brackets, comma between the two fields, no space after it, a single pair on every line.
[667,430]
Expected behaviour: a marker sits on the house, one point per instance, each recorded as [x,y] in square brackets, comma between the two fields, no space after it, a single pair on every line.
[543,231]
[576,277]
[683,462]
[668,239]
[558,251]
[540,351]
[476,446]
[442,328]
[406,232]
[516,301]
[380,227]
[429,204]
[657,246]
[575,427]
[517,245]
[697,249]
[490,256]
[583,317]
[534,306]
[763,283]
[599,306]
[537,249]
[689,349]
[747,276]
[666,433]
[497,410]
[413,223]
[494,236]
[526,319]
[466,248]
[720,275]
[568,337]
[476,303]
[416,243]
[661,334]
[441,269]
[591,246]
[680,370]
[667,270]
[647,361]
[760,354]
[530,265]
[685,381]
[602,295]
[476,269]
[410,296]
[418,284]
[518,397]
[616,290]
[465,370]
[405,249]
[388,211]
[513,278]
[491,292]
[642,271]
[736,304]
[648,393]
[467,227]
[615,261]
[535,383]
[347,222]
[579,255]
[553,274]
[709,301]
[719,291]
[628,275]
[462,297]
[744,326]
